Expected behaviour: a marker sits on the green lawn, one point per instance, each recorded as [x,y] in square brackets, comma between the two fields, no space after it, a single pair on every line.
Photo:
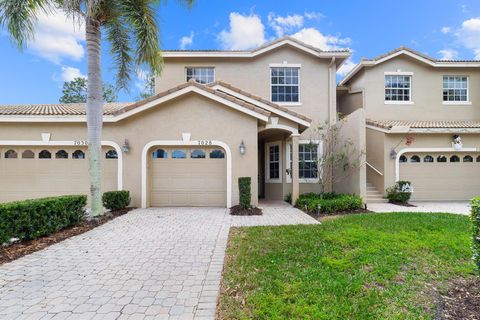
[368,266]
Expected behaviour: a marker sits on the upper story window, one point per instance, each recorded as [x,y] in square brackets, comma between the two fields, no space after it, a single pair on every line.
[285,84]
[455,89]
[398,88]
[203,75]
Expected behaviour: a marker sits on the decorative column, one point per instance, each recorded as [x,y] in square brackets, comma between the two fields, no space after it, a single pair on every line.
[294,173]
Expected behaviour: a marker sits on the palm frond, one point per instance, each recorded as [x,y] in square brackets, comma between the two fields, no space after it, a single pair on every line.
[19,17]
[119,37]
[140,16]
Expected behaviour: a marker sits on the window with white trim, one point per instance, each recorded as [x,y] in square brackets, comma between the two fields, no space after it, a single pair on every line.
[455,88]
[274,164]
[308,161]
[285,84]
[398,88]
[203,75]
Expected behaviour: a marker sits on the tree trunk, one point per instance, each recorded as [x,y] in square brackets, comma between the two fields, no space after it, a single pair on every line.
[94,114]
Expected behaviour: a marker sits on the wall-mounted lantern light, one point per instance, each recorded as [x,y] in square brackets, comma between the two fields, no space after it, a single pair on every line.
[242,148]
[126,147]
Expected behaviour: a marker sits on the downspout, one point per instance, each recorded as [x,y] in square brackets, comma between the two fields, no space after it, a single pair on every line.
[332,92]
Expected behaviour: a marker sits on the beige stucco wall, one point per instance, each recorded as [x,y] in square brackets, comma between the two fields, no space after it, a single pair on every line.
[352,131]
[203,118]
[349,102]
[427,92]
[376,153]
[253,75]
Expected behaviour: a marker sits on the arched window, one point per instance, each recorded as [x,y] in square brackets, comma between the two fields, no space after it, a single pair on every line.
[217,154]
[111,154]
[197,154]
[467,159]
[441,158]
[179,154]
[478,158]
[403,159]
[415,159]
[61,154]
[28,154]
[159,154]
[45,154]
[11,154]
[428,159]
[454,158]
[78,154]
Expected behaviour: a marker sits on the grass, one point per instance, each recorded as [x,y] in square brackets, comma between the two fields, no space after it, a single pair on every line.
[366,266]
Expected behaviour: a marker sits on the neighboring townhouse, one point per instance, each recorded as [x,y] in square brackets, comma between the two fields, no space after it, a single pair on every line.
[422,123]
[216,116]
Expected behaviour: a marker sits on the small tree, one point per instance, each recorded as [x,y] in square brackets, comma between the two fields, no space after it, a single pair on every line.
[340,156]
[75,91]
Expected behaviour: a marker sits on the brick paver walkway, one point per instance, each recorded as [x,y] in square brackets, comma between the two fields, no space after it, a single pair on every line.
[159,263]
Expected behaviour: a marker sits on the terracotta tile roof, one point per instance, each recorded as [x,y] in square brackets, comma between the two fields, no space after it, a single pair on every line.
[260,99]
[68,109]
[419,124]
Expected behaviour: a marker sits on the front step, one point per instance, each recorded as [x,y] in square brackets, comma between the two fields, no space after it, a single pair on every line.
[373,195]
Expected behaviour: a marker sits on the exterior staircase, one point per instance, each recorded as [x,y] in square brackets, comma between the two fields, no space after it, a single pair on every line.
[373,195]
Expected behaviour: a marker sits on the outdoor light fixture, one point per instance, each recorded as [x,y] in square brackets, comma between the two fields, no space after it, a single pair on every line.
[242,148]
[126,147]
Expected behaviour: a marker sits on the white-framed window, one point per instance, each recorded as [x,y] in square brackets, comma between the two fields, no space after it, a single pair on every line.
[455,90]
[398,88]
[273,163]
[285,85]
[203,75]
[309,152]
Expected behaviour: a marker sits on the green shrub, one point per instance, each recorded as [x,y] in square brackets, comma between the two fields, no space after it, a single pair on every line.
[329,202]
[475,218]
[30,219]
[116,200]
[288,197]
[400,192]
[244,187]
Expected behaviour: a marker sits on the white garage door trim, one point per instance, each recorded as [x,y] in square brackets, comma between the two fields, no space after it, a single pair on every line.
[409,150]
[186,143]
[73,144]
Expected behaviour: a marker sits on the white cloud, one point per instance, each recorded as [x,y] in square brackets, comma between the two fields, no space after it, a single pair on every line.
[346,67]
[245,32]
[186,41]
[58,36]
[315,38]
[448,54]
[469,35]
[282,25]
[314,15]
[70,73]
[446,30]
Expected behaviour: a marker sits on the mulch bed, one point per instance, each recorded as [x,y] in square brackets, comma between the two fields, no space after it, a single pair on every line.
[240,211]
[460,301]
[20,249]
[402,204]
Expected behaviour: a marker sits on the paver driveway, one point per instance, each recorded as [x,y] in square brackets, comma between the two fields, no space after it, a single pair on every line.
[148,264]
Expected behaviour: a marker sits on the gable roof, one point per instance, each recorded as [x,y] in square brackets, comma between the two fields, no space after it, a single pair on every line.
[287,40]
[114,112]
[411,53]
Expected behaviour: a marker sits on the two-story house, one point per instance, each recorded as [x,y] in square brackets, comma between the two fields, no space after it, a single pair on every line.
[422,122]
[216,116]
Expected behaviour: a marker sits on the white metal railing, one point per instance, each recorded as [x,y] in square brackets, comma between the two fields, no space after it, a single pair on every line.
[374,169]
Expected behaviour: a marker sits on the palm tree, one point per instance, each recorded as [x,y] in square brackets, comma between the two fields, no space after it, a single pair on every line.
[130,27]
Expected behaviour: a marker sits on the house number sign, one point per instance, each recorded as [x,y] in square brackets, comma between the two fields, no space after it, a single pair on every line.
[205,142]
[80,143]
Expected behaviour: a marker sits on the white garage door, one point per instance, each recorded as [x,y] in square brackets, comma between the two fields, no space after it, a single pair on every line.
[188,177]
[32,172]
[449,176]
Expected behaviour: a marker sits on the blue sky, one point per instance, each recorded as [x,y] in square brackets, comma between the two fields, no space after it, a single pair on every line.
[441,28]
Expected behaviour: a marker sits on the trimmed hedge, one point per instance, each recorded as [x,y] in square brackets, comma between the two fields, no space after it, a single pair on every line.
[328,202]
[116,200]
[31,219]
[244,188]
[400,192]
[475,219]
